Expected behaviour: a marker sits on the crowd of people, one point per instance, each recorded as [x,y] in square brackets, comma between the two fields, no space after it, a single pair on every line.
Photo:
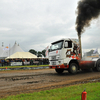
[37,61]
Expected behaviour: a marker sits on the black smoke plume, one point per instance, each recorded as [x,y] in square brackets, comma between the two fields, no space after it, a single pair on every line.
[87,10]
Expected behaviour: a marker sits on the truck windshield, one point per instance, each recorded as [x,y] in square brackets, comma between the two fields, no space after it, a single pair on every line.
[56,45]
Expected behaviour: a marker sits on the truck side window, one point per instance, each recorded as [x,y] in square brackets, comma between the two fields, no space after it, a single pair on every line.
[69,44]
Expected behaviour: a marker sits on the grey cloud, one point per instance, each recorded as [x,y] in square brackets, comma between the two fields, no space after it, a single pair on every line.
[37,23]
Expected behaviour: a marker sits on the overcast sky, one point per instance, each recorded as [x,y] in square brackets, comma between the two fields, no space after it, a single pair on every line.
[34,24]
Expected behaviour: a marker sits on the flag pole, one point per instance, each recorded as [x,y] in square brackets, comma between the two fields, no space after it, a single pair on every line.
[9,49]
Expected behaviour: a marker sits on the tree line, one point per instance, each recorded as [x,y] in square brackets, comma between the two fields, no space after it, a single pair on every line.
[38,53]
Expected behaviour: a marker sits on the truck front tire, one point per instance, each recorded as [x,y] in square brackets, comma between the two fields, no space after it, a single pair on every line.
[59,71]
[73,68]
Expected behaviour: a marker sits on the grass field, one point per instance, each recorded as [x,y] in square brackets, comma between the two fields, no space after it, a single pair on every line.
[23,66]
[66,93]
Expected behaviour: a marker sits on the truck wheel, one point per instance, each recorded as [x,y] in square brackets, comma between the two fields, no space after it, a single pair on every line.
[59,71]
[98,65]
[73,68]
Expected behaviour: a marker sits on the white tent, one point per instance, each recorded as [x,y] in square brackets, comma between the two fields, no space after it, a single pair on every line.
[15,48]
[1,50]
[5,52]
[22,55]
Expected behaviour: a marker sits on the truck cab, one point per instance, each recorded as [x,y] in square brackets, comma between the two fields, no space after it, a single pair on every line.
[63,53]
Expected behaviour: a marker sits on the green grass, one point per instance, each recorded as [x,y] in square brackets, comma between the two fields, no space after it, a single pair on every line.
[23,66]
[66,93]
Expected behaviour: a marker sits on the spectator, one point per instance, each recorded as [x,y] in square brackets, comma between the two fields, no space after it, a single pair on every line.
[2,62]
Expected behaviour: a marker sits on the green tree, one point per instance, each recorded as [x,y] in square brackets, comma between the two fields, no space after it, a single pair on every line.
[43,52]
[39,54]
[33,51]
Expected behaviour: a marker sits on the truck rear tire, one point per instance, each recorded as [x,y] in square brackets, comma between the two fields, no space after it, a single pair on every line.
[98,65]
[59,71]
[73,68]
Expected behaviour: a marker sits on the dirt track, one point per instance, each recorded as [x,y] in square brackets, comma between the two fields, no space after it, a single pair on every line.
[26,81]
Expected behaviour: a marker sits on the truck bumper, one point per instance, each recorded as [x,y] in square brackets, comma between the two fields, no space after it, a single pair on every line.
[59,66]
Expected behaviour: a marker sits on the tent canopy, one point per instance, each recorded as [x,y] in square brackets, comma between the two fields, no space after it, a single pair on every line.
[22,55]
[7,51]
[14,49]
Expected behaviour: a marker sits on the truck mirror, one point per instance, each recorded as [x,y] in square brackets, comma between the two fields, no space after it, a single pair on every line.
[66,44]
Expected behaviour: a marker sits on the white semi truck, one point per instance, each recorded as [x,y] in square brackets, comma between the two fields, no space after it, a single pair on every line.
[65,54]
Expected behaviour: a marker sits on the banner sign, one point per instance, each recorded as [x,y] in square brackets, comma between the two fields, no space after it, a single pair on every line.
[26,63]
[16,63]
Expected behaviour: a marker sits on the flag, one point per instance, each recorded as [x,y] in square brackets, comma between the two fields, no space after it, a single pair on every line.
[6,48]
[46,53]
[95,51]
